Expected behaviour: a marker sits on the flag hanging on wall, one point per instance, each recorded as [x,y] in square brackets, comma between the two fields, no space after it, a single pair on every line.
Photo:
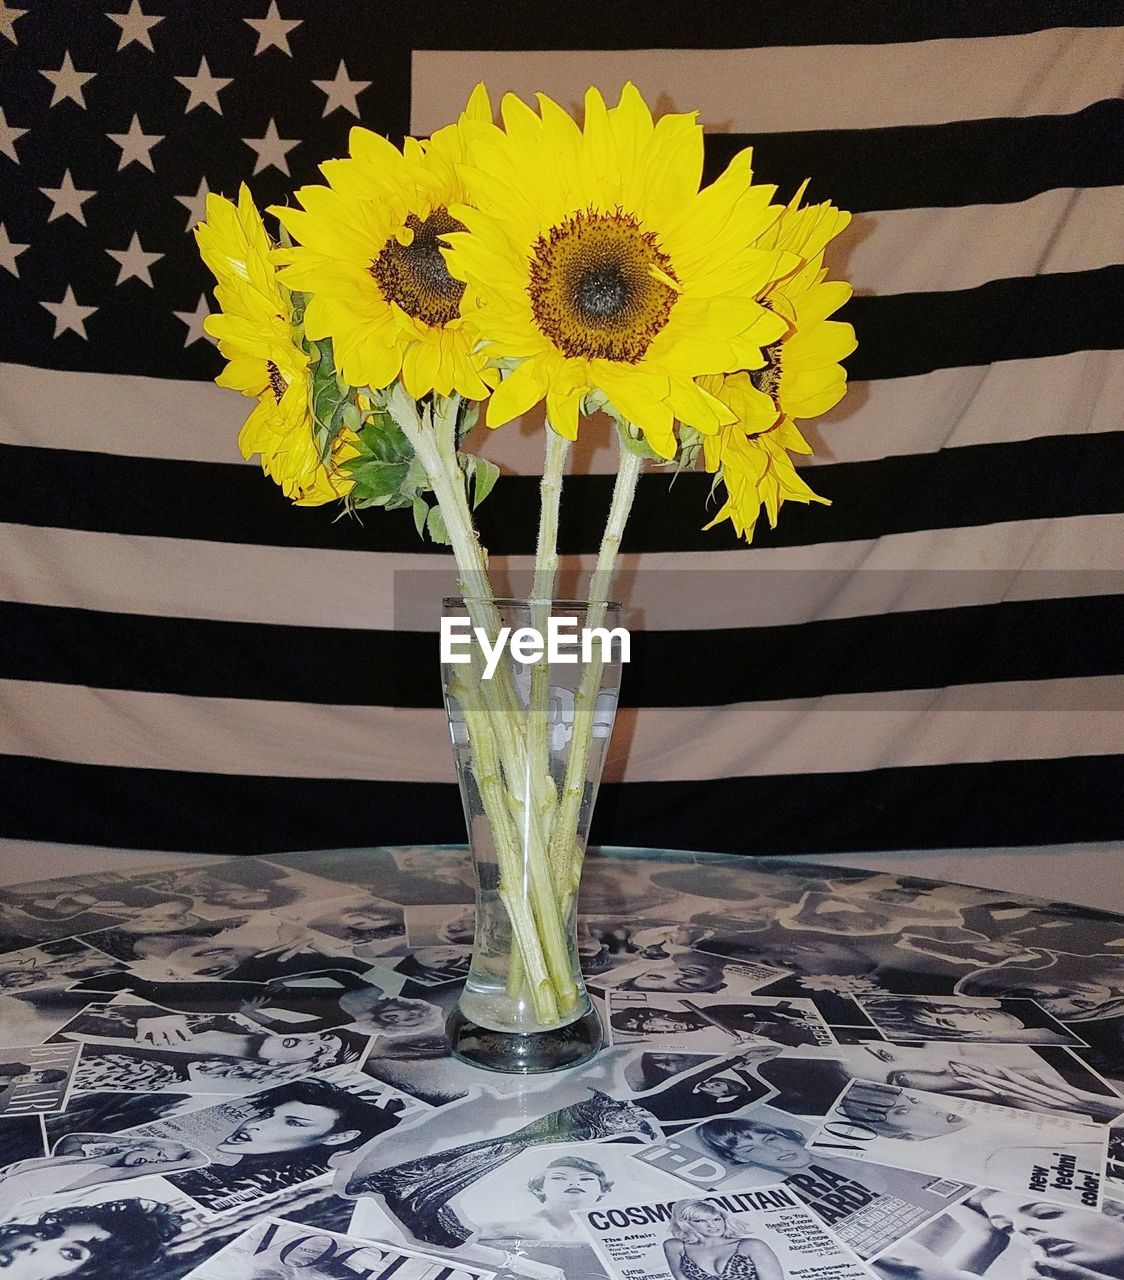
[190,663]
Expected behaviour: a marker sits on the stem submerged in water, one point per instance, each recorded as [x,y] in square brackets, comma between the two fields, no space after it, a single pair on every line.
[533,828]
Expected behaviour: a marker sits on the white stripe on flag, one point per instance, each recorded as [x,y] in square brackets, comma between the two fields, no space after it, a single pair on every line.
[852,732]
[788,89]
[297,586]
[931,250]
[1068,395]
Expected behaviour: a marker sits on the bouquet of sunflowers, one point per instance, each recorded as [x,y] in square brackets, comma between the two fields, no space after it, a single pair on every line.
[515,263]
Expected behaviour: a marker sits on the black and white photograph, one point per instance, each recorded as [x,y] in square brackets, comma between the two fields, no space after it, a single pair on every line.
[415,1173]
[294,1003]
[275,1247]
[278,1138]
[424,967]
[712,1022]
[718,1086]
[868,1206]
[1001,1235]
[766,1234]
[540,1194]
[52,964]
[967,1018]
[86,1160]
[1059,1156]
[34,1080]
[443,924]
[139,1047]
[691,972]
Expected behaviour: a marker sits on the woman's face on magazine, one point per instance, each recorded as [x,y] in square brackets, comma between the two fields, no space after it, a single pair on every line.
[971,1022]
[1075,999]
[289,1126]
[568,1186]
[910,1117]
[767,1150]
[707,1222]
[682,978]
[1079,1237]
[29,1258]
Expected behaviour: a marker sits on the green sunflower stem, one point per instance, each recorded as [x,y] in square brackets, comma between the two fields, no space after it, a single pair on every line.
[565,855]
[516,804]
[542,594]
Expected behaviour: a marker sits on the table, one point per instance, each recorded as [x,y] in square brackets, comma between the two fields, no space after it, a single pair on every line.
[236,1069]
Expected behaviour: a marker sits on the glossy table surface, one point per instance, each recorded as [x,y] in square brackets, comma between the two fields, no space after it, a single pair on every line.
[225,1067]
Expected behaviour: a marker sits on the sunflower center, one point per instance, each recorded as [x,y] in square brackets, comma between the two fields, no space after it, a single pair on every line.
[414,275]
[277,383]
[767,379]
[592,290]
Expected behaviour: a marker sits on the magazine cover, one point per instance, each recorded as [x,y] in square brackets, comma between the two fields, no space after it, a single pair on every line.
[868,1206]
[278,1138]
[1000,1235]
[690,972]
[767,1234]
[713,1023]
[1059,1157]
[34,1080]
[276,1248]
[133,1046]
[973,1018]
[1046,1078]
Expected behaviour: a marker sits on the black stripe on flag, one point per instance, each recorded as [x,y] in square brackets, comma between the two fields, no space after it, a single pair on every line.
[924,166]
[919,649]
[899,334]
[218,502]
[1009,802]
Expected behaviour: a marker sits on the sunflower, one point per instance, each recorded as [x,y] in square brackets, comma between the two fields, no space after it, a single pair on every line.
[802,376]
[370,256]
[255,333]
[751,459]
[600,267]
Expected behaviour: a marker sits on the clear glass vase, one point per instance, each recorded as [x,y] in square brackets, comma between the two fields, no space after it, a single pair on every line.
[529,739]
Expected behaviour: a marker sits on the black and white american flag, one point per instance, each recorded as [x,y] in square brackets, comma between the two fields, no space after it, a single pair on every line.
[935,660]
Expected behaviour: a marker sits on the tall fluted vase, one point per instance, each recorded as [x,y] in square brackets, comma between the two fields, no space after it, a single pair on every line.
[529,740]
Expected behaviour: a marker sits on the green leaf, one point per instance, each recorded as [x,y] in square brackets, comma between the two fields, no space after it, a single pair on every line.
[467,417]
[436,527]
[351,417]
[421,515]
[633,440]
[375,479]
[484,477]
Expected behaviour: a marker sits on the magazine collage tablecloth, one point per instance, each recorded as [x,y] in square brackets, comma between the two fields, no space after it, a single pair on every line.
[236,1070]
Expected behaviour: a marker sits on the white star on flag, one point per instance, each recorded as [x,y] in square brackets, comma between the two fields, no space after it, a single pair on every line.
[273,30]
[271,149]
[204,88]
[342,92]
[69,314]
[135,261]
[134,26]
[68,82]
[8,135]
[9,251]
[196,205]
[135,145]
[67,200]
[194,321]
[8,17]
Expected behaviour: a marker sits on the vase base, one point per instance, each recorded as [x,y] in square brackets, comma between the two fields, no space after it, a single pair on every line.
[524,1053]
